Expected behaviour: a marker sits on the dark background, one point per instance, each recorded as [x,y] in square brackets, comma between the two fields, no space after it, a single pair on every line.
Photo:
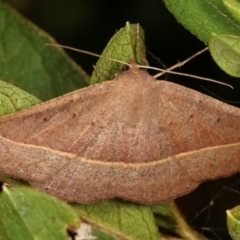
[89,24]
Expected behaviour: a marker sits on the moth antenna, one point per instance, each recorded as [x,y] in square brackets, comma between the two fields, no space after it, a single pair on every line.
[147,67]
[186,75]
[86,52]
[179,64]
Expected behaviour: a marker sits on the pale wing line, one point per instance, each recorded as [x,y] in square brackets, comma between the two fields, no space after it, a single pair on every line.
[166,103]
[196,134]
[28,163]
[103,106]
[121,164]
[179,108]
[171,107]
[106,105]
[152,163]
[157,179]
[157,108]
[169,158]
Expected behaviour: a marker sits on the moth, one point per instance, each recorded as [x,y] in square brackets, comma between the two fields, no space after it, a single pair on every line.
[133,138]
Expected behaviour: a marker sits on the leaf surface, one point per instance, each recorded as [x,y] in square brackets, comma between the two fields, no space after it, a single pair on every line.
[202,18]
[233,222]
[127,43]
[123,220]
[13,98]
[29,214]
[225,50]
[45,71]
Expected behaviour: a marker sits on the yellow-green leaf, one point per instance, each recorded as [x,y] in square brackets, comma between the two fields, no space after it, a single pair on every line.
[13,98]
[233,7]
[124,220]
[29,214]
[233,222]
[225,50]
[203,17]
[127,43]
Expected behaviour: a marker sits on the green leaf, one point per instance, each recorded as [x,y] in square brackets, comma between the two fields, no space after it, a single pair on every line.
[233,222]
[203,17]
[124,220]
[45,71]
[233,7]
[101,235]
[225,50]
[13,98]
[127,43]
[168,217]
[30,214]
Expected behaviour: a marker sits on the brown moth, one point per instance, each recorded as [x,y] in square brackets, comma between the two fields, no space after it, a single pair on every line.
[135,138]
